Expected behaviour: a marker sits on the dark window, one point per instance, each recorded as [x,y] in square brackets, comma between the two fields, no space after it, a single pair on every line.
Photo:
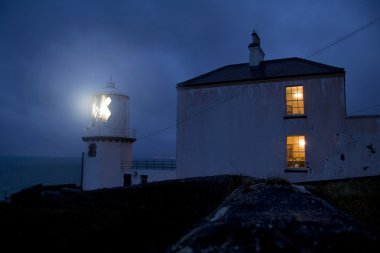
[127,179]
[91,150]
[143,179]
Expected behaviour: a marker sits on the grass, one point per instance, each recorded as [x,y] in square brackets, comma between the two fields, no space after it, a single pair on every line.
[359,197]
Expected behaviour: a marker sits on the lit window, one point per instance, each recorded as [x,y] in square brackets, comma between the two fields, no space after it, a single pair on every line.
[100,110]
[296,151]
[294,100]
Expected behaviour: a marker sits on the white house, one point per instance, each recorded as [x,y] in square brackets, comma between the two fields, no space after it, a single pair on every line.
[276,118]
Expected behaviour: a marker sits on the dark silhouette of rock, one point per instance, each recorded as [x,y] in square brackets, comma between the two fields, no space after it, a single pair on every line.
[276,217]
[139,218]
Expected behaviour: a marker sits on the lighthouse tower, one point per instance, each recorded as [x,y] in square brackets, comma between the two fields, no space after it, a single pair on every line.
[108,140]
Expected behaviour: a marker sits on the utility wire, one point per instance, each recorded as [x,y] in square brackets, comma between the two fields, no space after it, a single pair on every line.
[333,43]
[178,122]
[344,37]
[365,109]
[228,98]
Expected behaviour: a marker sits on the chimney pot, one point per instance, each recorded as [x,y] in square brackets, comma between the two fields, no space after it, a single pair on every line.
[256,54]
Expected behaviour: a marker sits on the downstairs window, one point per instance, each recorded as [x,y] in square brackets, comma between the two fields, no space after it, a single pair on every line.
[295,147]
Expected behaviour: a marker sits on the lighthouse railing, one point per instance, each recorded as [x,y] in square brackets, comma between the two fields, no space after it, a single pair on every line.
[148,164]
[120,132]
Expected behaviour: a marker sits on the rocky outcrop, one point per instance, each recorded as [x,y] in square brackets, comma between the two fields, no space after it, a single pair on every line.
[242,215]
[140,218]
[276,217]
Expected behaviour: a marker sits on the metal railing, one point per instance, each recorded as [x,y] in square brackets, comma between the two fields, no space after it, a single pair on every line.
[97,131]
[152,164]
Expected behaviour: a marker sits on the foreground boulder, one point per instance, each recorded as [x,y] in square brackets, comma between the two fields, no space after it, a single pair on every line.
[140,218]
[273,217]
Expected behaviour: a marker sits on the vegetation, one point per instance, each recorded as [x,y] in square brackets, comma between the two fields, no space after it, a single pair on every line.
[359,197]
[148,218]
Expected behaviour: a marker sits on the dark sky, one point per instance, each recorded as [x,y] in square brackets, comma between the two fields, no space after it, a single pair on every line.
[54,54]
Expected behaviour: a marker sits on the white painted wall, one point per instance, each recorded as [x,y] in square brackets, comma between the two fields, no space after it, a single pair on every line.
[246,134]
[104,170]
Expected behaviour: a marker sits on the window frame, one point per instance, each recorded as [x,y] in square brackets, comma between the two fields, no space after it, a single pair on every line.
[296,169]
[295,115]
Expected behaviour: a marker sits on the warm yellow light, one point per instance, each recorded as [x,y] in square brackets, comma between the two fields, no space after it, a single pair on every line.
[100,110]
[302,143]
[298,95]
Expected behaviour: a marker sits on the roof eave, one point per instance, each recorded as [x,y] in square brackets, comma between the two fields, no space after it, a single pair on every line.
[184,85]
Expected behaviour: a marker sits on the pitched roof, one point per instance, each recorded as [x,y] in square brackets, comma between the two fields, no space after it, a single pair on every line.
[272,69]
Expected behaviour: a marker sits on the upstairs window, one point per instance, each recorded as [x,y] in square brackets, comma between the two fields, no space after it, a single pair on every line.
[294,100]
[295,151]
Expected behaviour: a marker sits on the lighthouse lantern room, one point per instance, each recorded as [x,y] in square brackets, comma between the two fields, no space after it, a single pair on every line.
[108,140]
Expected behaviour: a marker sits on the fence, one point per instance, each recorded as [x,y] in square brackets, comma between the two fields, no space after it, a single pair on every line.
[152,164]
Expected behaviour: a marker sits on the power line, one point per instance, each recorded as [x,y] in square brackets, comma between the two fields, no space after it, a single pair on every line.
[156,132]
[365,109]
[334,42]
[344,37]
[228,98]
[222,101]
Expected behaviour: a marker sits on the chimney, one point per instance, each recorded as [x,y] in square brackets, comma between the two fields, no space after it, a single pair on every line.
[256,54]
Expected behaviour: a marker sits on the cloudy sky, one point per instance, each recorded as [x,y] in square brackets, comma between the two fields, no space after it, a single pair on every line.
[54,54]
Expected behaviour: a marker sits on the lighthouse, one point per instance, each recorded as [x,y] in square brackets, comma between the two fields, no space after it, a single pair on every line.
[108,140]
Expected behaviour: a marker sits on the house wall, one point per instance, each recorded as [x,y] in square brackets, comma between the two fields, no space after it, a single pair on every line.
[360,145]
[242,129]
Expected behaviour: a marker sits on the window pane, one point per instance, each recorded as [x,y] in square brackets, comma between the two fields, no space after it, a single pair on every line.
[295,147]
[294,100]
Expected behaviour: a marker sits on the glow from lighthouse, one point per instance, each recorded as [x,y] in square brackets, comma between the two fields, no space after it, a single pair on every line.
[100,110]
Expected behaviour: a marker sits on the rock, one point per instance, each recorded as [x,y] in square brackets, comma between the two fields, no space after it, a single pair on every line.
[29,197]
[277,217]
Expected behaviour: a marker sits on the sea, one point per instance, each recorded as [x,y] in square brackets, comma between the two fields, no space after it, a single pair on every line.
[17,173]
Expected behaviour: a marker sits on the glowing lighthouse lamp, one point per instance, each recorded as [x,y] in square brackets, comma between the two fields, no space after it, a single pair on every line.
[108,140]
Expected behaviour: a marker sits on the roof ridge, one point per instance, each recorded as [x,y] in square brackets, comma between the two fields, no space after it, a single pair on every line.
[289,59]
[210,72]
[282,59]
[242,71]
[321,64]
[306,61]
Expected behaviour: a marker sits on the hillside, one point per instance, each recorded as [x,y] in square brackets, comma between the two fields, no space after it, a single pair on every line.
[144,218]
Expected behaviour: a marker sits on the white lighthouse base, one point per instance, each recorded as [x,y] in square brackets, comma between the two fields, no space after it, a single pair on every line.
[102,166]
